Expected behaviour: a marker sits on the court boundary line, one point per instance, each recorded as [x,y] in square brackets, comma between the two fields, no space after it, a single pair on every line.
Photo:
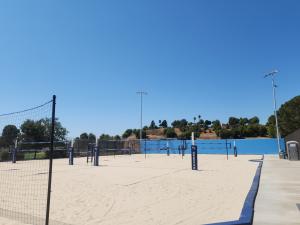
[247,213]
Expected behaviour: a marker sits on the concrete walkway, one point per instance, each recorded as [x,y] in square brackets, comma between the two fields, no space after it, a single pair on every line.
[278,198]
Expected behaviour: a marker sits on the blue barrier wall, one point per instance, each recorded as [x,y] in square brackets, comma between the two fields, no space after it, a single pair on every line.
[244,146]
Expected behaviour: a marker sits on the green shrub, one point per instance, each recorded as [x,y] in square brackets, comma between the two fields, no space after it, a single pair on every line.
[4,155]
[170,133]
[32,155]
[41,155]
[186,135]
[225,134]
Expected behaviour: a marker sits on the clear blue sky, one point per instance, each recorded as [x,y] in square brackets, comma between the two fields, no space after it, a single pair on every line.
[193,57]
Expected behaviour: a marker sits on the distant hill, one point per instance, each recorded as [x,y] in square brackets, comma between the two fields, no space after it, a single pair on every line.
[159,133]
[209,135]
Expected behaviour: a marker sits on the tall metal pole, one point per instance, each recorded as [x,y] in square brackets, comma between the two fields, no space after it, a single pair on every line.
[275,114]
[272,74]
[50,161]
[141,133]
[141,128]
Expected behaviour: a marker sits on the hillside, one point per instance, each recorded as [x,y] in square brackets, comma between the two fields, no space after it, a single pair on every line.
[159,133]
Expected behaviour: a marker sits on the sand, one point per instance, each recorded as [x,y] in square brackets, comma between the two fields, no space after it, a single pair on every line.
[158,190]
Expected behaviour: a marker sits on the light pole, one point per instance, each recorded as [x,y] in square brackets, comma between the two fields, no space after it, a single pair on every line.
[141,93]
[272,75]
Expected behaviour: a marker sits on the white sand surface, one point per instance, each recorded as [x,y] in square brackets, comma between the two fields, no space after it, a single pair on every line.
[158,190]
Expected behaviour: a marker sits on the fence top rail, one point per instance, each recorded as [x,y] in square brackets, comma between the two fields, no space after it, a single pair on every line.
[162,139]
[197,140]
[212,143]
[42,142]
[118,140]
[38,150]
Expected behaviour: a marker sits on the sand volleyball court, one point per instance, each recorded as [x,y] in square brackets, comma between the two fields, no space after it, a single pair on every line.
[158,190]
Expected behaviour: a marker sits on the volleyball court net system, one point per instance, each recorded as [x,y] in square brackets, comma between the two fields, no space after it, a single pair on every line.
[26,145]
[183,146]
[29,142]
[85,148]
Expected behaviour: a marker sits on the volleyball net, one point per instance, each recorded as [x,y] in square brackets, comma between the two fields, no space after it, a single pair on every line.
[26,147]
[176,146]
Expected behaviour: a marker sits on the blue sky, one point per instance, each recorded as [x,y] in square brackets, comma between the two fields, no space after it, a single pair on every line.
[192,57]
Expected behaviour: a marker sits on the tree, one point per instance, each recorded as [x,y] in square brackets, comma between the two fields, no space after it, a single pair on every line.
[164,124]
[207,123]
[84,136]
[216,126]
[255,130]
[137,133]
[9,134]
[185,135]
[40,130]
[233,121]
[236,133]
[2,143]
[195,119]
[289,116]
[175,124]
[181,124]
[201,123]
[243,121]
[254,120]
[271,126]
[263,131]
[225,134]
[127,133]
[92,138]
[252,130]
[105,137]
[170,133]
[33,131]
[117,138]
[152,125]
[60,132]
[159,123]
[194,128]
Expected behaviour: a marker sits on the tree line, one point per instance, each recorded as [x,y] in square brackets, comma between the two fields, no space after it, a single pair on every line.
[234,128]
[91,138]
[288,119]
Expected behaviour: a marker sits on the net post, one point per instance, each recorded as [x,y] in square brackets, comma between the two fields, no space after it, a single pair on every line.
[93,153]
[71,153]
[14,152]
[184,147]
[96,155]
[145,147]
[129,147]
[50,160]
[234,149]
[168,149]
[227,149]
[13,155]
[87,154]
[194,154]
